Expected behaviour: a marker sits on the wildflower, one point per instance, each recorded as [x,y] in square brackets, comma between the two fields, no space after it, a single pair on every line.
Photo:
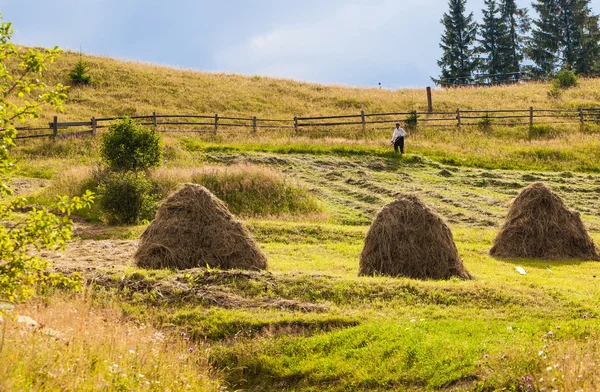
[486,356]
[550,334]
[529,386]
[192,349]
[585,316]
[522,378]
[186,338]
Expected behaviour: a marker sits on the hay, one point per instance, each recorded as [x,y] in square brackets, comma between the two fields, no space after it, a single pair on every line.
[193,228]
[409,239]
[538,225]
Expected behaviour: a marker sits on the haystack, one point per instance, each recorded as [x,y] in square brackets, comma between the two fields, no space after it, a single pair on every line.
[409,239]
[539,225]
[193,228]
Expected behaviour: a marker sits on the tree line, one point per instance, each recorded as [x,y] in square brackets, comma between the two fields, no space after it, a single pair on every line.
[508,45]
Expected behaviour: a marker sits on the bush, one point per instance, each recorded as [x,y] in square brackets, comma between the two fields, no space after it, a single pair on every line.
[79,74]
[127,198]
[486,121]
[411,120]
[130,146]
[565,79]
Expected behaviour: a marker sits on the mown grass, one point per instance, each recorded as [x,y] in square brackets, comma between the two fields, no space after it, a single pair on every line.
[310,323]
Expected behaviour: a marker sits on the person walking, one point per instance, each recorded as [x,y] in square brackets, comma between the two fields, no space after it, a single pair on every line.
[398,138]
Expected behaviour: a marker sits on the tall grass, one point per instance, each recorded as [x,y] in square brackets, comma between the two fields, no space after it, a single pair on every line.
[133,88]
[248,190]
[76,346]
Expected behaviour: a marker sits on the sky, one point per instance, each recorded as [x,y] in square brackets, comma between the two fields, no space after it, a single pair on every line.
[347,42]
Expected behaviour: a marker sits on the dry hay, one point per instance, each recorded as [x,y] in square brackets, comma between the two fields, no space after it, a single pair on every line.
[193,228]
[538,225]
[409,239]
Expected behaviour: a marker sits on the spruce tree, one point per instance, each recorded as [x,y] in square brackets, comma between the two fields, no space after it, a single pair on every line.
[566,36]
[493,33]
[516,24]
[543,46]
[457,63]
[583,48]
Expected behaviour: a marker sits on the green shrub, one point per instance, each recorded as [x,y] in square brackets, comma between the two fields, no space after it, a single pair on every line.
[79,75]
[411,119]
[126,198]
[565,78]
[130,146]
[486,121]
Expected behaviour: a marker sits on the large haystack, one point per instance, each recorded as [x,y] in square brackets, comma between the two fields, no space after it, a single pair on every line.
[539,225]
[409,239]
[193,228]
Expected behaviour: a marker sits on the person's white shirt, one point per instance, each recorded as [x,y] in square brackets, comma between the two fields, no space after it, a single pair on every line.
[398,132]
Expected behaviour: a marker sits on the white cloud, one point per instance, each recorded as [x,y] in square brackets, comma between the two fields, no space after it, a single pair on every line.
[379,36]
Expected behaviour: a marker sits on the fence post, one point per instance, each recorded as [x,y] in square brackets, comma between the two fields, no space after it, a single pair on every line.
[216,122]
[530,118]
[154,119]
[458,117]
[581,119]
[429,103]
[55,126]
[254,126]
[296,124]
[362,119]
[94,126]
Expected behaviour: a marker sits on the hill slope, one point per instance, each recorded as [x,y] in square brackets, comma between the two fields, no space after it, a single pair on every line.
[129,88]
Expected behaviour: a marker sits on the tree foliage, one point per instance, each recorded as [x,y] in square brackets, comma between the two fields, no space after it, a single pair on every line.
[23,94]
[130,146]
[80,75]
[457,63]
[566,35]
[492,32]
[516,23]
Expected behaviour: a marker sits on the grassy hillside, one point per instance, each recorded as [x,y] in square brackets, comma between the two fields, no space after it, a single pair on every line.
[309,322]
[128,88]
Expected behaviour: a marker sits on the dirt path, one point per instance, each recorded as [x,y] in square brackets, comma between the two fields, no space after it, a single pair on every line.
[87,255]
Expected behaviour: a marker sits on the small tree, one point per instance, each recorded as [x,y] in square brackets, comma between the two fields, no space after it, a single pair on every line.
[21,270]
[130,146]
[79,75]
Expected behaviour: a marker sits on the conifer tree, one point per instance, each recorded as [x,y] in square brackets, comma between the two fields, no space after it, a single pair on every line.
[493,33]
[566,35]
[516,24]
[457,63]
[543,46]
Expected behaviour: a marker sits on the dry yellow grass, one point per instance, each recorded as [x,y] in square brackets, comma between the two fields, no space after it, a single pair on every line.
[135,88]
[76,346]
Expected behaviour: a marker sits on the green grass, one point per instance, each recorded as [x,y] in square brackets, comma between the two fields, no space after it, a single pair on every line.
[310,323]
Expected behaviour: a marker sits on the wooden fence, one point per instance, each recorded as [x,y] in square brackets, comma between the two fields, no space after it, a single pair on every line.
[362,121]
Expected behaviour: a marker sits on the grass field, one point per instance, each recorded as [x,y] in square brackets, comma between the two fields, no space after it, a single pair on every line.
[309,322]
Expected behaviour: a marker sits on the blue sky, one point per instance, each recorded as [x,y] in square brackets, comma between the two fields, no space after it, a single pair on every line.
[351,42]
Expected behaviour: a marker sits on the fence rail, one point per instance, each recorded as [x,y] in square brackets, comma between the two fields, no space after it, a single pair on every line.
[201,123]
